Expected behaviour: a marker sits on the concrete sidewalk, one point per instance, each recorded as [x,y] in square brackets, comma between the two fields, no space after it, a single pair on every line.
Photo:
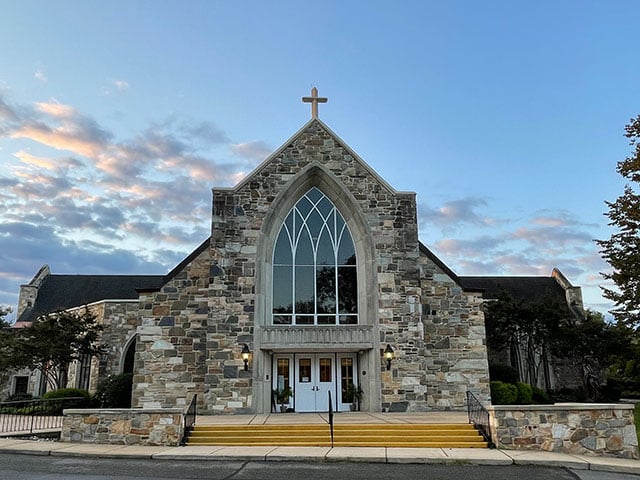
[474,456]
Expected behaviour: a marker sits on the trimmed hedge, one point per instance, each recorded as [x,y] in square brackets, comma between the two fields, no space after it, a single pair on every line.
[525,394]
[540,397]
[56,408]
[115,391]
[503,393]
[499,372]
[70,392]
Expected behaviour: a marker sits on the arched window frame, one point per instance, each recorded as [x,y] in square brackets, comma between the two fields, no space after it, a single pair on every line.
[314,266]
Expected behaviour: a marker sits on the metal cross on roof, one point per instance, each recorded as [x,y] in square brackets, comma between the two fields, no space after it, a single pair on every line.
[314,99]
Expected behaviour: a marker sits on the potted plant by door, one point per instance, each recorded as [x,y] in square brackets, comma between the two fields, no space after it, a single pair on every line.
[282,397]
[353,394]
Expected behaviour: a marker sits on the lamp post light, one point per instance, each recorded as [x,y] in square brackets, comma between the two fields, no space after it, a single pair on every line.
[389,355]
[246,354]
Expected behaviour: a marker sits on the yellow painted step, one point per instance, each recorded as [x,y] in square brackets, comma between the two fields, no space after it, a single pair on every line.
[387,435]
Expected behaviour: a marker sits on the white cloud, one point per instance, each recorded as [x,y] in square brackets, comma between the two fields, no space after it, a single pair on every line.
[146,196]
[40,76]
[256,150]
[121,85]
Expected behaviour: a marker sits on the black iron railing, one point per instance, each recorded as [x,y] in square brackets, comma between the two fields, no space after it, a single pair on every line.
[479,416]
[331,417]
[189,417]
[33,416]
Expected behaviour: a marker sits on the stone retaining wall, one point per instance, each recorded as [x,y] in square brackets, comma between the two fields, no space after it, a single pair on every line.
[123,426]
[586,429]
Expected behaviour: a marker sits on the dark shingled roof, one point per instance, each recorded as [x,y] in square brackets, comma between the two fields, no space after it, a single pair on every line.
[521,288]
[535,289]
[60,292]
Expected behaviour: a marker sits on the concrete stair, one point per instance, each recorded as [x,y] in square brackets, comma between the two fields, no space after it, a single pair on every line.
[345,435]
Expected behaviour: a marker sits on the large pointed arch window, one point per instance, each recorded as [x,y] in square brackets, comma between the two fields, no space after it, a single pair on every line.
[314,266]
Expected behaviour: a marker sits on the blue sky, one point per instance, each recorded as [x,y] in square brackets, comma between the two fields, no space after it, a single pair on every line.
[506,118]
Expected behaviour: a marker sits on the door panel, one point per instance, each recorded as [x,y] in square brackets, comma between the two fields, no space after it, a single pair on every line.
[325,383]
[305,386]
[312,376]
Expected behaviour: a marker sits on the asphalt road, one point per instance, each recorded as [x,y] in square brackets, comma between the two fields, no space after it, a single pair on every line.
[31,467]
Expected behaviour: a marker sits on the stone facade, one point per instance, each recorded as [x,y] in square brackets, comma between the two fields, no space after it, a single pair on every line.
[9,379]
[120,320]
[193,329]
[123,426]
[453,354]
[175,336]
[29,293]
[585,429]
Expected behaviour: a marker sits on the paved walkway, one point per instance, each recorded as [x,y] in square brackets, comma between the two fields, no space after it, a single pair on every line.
[475,456]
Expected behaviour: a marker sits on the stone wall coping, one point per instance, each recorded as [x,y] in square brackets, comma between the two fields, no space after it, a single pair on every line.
[561,406]
[120,411]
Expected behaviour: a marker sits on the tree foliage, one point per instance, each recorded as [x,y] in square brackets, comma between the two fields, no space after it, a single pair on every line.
[52,342]
[528,329]
[5,342]
[622,249]
[535,331]
[6,339]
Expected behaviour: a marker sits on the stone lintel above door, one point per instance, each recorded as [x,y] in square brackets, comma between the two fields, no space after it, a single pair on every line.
[345,338]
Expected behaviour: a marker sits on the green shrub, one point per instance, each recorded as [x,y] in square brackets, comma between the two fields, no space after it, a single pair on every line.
[499,372]
[503,393]
[611,392]
[569,395]
[19,396]
[525,394]
[539,396]
[115,391]
[55,408]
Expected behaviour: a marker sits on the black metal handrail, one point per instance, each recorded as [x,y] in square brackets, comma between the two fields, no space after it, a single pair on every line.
[31,416]
[479,416]
[189,417]
[330,417]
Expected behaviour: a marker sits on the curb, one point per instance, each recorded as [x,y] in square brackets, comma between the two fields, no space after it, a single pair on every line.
[327,454]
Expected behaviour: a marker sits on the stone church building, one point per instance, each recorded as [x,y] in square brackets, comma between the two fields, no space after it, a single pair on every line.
[314,269]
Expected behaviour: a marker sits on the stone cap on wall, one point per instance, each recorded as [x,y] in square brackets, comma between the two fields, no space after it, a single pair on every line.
[119,411]
[562,406]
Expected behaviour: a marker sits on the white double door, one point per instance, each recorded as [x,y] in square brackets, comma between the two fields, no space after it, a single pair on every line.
[314,376]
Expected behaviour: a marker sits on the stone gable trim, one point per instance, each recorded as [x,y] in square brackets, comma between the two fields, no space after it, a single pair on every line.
[442,266]
[293,138]
[181,266]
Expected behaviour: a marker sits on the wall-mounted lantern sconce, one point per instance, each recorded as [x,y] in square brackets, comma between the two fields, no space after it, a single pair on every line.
[389,355]
[246,353]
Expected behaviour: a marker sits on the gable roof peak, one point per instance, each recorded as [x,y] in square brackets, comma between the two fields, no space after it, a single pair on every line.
[311,128]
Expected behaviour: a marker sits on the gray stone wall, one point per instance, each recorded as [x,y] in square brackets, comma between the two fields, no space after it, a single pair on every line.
[7,382]
[585,429]
[193,330]
[121,426]
[170,359]
[120,321]
[29,292]
[453,353]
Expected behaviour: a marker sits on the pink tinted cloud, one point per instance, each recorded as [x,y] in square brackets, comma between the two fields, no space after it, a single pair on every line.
[256,150]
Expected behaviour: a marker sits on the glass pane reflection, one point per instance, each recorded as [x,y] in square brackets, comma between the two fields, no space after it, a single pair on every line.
[314,266]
